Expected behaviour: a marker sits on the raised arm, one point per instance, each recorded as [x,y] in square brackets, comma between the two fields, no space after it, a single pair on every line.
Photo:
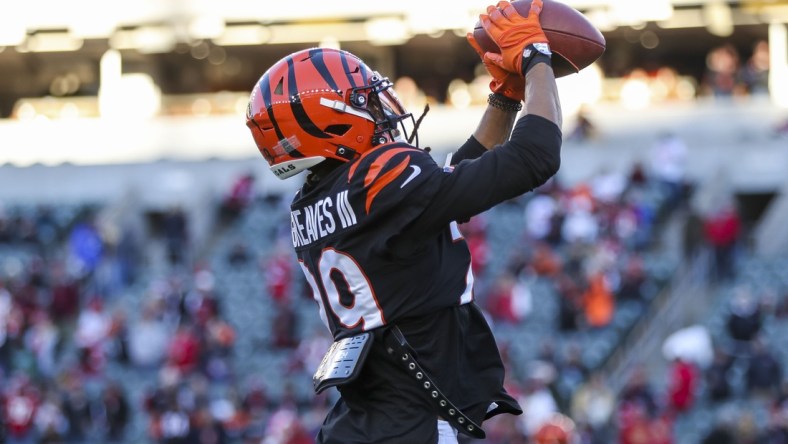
[516,36]
[532,154]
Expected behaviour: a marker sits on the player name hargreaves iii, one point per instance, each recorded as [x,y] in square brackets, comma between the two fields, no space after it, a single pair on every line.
[320,219]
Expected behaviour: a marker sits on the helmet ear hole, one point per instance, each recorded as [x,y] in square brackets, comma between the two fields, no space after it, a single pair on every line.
[337,129]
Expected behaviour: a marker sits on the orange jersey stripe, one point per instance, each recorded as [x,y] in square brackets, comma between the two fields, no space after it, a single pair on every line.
[353,167]
[384,180]
[377,166]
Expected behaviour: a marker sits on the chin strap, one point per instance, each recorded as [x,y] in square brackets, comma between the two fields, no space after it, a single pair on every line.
[415,134]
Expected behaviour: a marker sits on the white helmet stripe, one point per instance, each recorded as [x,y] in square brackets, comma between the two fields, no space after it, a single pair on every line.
[343,108]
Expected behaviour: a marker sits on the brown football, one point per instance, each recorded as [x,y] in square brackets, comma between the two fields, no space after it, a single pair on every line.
[575,42]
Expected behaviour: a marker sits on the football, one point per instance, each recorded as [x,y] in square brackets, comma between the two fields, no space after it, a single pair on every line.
[575,42]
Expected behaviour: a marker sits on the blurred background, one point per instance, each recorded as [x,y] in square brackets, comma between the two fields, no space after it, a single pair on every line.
[148,292]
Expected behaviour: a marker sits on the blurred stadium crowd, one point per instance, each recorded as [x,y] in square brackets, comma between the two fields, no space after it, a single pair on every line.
[108,335]
[116,325]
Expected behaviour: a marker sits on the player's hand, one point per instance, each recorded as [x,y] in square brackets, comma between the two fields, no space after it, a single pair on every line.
[503,82]
[512,33]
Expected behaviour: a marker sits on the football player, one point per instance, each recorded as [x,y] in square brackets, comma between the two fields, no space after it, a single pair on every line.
[374,229]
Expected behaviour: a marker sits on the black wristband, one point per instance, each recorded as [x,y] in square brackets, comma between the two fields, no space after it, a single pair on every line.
[504,103]
[534,54]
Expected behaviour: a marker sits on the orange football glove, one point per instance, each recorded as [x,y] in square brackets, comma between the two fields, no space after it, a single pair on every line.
[512,33]
[503,82]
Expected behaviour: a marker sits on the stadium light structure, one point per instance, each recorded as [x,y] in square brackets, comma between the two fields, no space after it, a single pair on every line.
[387,31]
[50,41]
[718,18]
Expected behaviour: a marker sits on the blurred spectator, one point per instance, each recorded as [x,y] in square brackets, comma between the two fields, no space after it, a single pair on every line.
[608,185]
[723,230]
[50,421]
[755,72]
[723,431]
[746,428]
[570,294]
[65,295]
[537,401]
[744,321]
[722,69]
[148,338]
[584,128]
[776,431]
[183,354]
[277,270]
[638,392]
[127,252]
[510,300]
[668,85]
[310,350]
[475,234]
[285,427]
[539,212]
[580,225]
[558,429]
[21,402]
[571,373]
[42,338]
[545,261]
[46,228]
[764,372]
[633,280]
[693,238]
[284,327]
[85,246]
[175,426]
[176,236]
[682,384]
[238,255]
[220,339]
[592,408]
[240,196]
[77,408]
[637,176]
[115,411]
[93,328]
[598,302]
[117,347]
[668,167]
[636,427]
[717,379]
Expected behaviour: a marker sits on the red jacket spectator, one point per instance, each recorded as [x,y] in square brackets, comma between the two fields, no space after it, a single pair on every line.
[722,228]
[683,380]
[184,352]
[278,271]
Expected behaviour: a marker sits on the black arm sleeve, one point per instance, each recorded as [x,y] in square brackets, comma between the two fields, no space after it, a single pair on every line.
[471,149]
[517,166]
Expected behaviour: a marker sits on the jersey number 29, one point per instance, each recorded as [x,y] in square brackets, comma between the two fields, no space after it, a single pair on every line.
[334,267]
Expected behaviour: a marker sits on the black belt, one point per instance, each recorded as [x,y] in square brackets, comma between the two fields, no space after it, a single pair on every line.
[396,345]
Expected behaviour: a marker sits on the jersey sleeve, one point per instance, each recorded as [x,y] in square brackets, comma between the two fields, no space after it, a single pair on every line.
[527,160]
[471,149]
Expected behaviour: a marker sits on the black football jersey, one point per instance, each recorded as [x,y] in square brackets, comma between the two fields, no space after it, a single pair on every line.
[354,237]
[378,243]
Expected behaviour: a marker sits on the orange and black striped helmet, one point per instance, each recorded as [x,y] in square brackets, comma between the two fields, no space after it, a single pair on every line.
[320,104]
